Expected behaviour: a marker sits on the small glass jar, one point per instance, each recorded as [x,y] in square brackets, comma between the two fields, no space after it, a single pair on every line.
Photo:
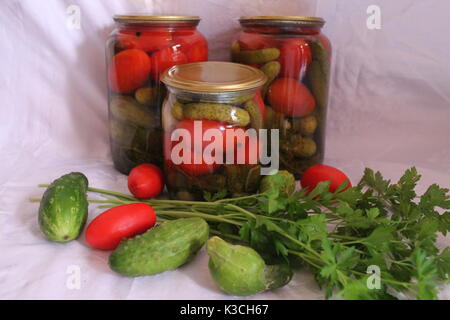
[296,57]
[139,50]
[208,117]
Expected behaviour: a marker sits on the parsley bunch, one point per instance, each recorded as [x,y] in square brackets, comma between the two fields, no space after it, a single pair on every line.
[342,237]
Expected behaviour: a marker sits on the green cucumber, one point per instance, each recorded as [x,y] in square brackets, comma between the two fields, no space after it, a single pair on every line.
[165,247]
[126,109]
[217,112]
[256,118]
[241,271]
[271,70]
[256,56]
[64,208]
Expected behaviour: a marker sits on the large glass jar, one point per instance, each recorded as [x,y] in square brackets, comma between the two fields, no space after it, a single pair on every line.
[295,56]
[212,117]
[139,50]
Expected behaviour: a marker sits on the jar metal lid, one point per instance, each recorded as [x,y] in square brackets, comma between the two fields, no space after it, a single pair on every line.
[155,19]
[283,20]
[214,77]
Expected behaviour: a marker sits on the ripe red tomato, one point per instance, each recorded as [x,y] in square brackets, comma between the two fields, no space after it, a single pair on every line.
[197,142]
[198,169]
[144,40]
[146,181]
[129,69]
[295,56]
[165,59]
[291,97]
[320,172]
[189,125]
[107,230]
[193,45]
[197,52]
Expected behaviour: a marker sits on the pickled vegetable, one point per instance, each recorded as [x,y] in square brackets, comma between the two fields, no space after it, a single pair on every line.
[296,92]
[257,56]
[217,112]
[271,70]
[137,55]
[127,110]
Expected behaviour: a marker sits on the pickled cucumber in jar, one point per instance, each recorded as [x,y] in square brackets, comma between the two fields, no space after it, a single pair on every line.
[296,58]
[137,56]
[211,126]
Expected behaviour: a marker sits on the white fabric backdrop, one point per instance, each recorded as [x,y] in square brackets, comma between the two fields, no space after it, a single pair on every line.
[389,110]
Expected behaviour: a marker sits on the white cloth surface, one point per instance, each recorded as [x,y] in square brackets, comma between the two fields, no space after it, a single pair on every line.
[389,110]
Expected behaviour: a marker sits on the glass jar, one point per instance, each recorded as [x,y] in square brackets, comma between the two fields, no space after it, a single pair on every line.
[211,120]
[139,50]
[296,57]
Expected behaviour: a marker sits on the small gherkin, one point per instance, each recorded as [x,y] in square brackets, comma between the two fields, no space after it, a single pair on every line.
[64,208]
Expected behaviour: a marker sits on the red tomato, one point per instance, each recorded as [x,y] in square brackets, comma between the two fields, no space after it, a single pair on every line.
[291,97]
[295,56]
[107,230]
[129,69]
[165,59]
[320,172]
[144,40]
[146,181]
[197,52]
[198,169]
[260,102]
[197,141]
[189,125]
[193,45]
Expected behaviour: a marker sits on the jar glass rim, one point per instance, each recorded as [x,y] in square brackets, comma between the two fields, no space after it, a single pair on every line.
[283,20]
[150,19]
[213,77]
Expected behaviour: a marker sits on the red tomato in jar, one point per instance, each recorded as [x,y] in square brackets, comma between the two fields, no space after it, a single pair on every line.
[193,45]
[291,97]
[189,125]
[107,230]
[319,173]
[197,52]
[165,59]
[146,181]
[196,141]
[198,169]
[129,70]
[295,57]
[148,41]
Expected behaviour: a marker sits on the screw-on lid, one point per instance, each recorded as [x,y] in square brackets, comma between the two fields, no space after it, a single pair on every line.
[214,77]
[155,19]
[282,20]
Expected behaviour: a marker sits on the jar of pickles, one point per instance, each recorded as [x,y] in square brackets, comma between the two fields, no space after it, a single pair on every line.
[295,56]
[139,50]
[211,120]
